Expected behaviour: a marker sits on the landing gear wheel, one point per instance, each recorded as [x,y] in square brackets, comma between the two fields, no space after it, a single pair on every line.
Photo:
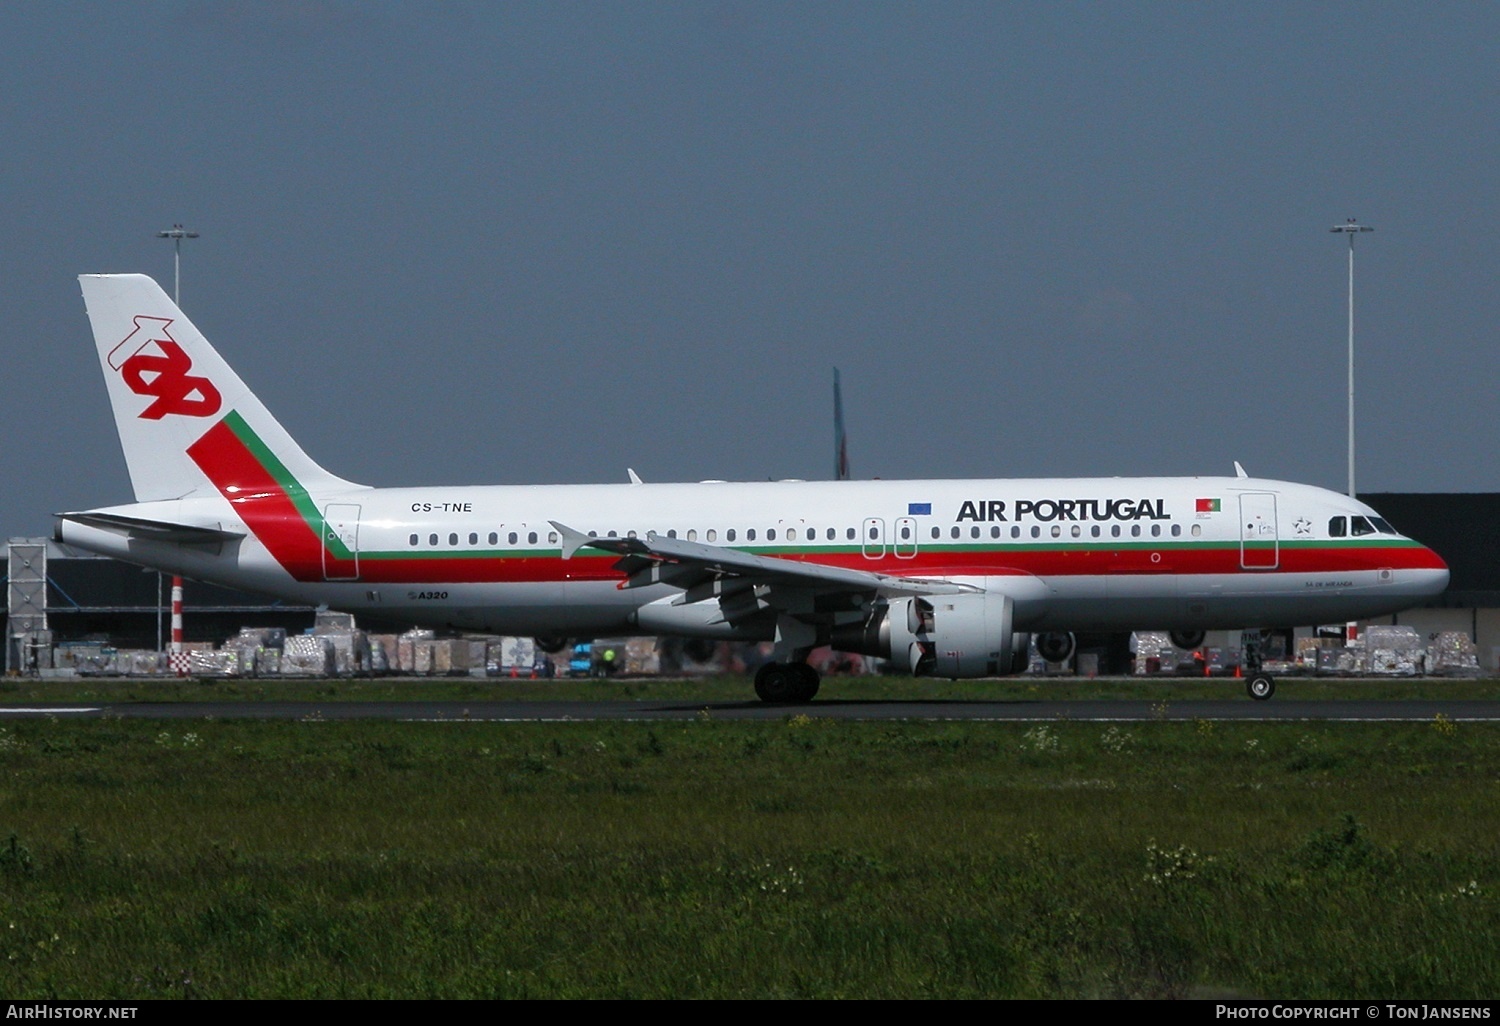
[1186,640]
[786,682]
[551,643]
[808,680]
[1261,686]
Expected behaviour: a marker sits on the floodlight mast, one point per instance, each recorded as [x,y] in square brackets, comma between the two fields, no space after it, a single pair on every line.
[177,233]
[1351,228]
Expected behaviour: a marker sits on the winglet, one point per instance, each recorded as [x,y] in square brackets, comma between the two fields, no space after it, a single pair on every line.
[635,478]
[1239,471]
[572,540]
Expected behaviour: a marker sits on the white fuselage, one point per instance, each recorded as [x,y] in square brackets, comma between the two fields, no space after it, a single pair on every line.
[1080,554]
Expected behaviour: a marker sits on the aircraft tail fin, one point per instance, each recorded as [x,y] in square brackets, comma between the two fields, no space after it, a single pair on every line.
[187,423]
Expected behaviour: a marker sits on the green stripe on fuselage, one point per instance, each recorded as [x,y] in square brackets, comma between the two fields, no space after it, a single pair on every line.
[289,484]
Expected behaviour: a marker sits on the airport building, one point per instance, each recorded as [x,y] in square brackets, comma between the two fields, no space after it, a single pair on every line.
[59,596]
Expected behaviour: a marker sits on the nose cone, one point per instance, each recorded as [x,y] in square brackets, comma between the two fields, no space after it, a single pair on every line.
[1428,576]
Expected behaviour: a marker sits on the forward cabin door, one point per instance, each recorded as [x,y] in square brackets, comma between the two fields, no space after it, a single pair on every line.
[1259,544]
[340,542]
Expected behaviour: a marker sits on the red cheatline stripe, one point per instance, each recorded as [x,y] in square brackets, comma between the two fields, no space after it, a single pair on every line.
[259,501]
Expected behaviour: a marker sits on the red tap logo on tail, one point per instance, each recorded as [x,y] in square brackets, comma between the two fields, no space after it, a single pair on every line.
[162,373]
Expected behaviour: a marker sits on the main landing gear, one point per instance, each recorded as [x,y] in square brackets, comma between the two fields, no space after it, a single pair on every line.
[787,682]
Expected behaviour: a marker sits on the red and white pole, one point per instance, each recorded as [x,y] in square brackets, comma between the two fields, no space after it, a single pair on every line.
[177,626]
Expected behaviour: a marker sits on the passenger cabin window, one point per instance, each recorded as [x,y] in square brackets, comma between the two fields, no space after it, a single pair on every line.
[413,539]
[750,534]
[432,539]
[453,538]
[771,534]
[849,533]
[473,538]
[729,535]
[832,534]
[692,534]
[994,532]
[713,535]
[937,532]
[1337,527]
[531,538]
[1015,532]
[494,538]
[511,538]
[955,532]
[974,532]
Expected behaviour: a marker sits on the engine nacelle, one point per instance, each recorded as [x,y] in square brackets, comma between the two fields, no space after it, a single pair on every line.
[1056,646]
[955,635]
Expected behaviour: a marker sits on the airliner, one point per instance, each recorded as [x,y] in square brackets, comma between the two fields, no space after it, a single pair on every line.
[947,578]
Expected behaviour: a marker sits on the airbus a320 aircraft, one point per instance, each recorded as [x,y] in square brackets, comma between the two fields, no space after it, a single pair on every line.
[948,578]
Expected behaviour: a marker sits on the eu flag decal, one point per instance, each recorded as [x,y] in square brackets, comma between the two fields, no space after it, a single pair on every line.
[919,509]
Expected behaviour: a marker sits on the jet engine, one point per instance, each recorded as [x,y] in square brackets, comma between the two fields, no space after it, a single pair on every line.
[942,636]
[1056,646]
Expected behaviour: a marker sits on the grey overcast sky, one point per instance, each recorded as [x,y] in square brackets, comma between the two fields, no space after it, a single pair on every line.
[521,243]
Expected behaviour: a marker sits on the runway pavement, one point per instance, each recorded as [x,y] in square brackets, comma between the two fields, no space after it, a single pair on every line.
[1121,710]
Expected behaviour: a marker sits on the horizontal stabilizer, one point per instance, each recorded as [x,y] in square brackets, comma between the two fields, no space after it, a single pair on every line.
[153,530]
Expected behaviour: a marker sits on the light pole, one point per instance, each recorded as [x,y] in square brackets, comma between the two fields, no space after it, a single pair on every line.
[177,233]
[1351,228]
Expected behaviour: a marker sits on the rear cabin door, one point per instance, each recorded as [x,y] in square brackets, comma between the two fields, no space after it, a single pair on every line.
[340,542]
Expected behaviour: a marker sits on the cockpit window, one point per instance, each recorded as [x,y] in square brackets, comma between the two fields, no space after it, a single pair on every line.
[1361,525]
[1382,525]
[1337,527]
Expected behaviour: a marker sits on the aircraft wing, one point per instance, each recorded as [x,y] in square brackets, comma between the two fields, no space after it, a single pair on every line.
[705,571]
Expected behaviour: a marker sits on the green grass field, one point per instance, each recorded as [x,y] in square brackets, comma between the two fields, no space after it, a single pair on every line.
[798,857]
